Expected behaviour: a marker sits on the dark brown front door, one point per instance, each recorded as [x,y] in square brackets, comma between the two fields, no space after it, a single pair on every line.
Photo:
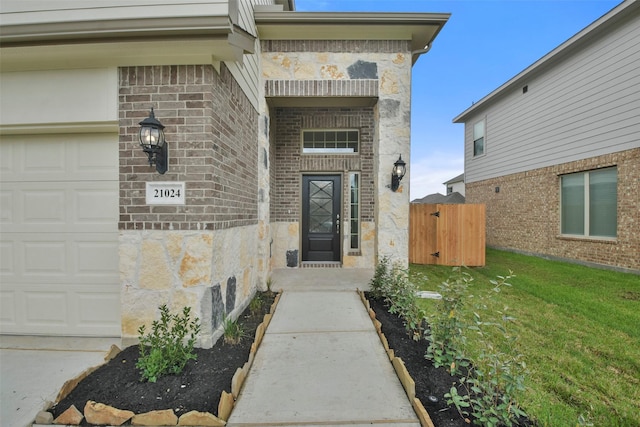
[321,217]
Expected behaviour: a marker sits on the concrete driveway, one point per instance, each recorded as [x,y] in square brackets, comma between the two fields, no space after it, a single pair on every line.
[33,369]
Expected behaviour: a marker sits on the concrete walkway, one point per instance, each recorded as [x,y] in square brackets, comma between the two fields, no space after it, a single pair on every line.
[321,361]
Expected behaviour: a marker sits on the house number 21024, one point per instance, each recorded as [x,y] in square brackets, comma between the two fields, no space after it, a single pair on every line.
[165,193]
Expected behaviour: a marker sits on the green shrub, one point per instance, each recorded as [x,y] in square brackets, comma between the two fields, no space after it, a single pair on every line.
[169,346]
[496,373]
[382,280]
[391,284]
[401,298]
[446,333]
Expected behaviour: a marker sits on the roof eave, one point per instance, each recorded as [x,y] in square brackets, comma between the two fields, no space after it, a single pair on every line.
[418,28]
[176,40]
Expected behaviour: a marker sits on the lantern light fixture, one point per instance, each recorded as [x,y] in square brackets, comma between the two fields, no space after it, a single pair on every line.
[399,169]
[153,142]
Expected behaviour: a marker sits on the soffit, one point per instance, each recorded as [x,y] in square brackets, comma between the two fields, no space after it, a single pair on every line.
[123,42]
[183,51]
[419,28]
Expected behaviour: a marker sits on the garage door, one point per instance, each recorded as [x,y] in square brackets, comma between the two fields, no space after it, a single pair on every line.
[59,238]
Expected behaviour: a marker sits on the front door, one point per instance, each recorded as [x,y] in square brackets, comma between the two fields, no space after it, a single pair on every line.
[321,217]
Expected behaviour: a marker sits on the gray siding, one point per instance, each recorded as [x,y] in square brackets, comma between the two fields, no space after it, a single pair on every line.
[46,11]
[247,73]
[584,106]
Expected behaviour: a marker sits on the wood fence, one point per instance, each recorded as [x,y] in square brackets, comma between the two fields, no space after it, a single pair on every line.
[447,234]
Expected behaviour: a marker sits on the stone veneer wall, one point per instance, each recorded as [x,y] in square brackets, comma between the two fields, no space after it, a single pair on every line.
[525,214]
[378,70]
[203,254]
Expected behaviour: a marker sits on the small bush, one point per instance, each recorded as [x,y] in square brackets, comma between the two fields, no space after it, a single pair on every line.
[169,346]
[382,280]
[392,285]
[401,298]
[446,333]
[492,377]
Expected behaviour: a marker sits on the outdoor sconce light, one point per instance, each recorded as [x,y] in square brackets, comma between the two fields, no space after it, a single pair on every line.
[399,169]
[153,143]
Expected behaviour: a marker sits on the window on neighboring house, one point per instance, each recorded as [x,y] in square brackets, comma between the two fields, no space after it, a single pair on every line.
[343,141]
[354,212]
[478,139]
[449,189]
[589,203]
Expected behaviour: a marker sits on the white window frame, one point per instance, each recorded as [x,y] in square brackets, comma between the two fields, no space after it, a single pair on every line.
[359,204]
[474,138]
[587,217]
[335,151]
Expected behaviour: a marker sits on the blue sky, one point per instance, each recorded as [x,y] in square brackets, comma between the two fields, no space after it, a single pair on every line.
[484,44]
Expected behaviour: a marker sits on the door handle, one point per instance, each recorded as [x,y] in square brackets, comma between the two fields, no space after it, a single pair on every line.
[338,223]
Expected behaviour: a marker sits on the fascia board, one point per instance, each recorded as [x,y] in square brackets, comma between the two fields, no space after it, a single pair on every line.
[82,31]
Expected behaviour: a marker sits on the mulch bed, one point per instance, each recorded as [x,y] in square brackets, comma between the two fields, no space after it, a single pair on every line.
[117,383]
[431,382]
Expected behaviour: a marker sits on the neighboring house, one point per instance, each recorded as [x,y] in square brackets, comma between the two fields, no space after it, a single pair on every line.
[437,198]
[455,193]
[282,130]
[554,153]
[455,185]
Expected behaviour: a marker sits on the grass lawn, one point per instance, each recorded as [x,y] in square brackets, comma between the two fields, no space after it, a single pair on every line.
[579,329]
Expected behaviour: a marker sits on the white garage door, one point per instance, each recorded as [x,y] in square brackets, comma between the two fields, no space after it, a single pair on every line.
[58,235]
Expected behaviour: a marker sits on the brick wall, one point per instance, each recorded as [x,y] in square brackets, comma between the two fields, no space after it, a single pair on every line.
[211,130]
[339,46]
[525,214]
[288,163]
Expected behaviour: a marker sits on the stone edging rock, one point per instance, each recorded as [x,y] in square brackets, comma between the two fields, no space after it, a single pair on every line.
[100,412]
[401,371]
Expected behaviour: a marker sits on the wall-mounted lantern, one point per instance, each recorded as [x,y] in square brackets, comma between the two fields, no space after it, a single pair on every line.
[399,169]
[153,142]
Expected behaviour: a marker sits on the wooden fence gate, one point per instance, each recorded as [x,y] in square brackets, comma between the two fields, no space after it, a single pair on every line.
[447,234]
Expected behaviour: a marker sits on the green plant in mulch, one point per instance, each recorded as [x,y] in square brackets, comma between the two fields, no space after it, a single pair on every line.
[233,331]
[402,301]
[255,306]
[391,284]
[496,372]
[169,345]
[382,280]
[269,286]
[446,325]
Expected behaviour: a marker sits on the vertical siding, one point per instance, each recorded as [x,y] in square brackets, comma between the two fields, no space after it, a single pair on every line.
[584,106]
[457,234]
